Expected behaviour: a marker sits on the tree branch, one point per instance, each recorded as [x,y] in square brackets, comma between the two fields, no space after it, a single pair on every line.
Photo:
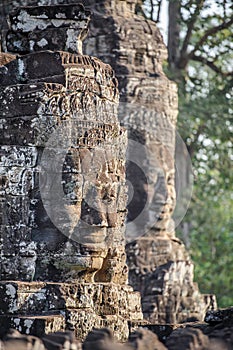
[224,8]
[159,10]
[210,32]
[198,8]
[173,33]
[211,64]
[152,10]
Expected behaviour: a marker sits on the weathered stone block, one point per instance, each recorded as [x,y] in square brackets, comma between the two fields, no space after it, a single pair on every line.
[34,297]
[16,156]
[84,305]
[36,325]
[76,72]
[48,27]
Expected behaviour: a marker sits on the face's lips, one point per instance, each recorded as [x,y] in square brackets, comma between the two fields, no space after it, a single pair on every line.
[81,263]
[87,235]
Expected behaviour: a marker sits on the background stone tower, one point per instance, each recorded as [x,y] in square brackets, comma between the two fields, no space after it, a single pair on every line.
[159,265]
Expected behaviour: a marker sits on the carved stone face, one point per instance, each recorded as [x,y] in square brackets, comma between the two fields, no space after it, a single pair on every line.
[84,200]
[65,105]
[76,190]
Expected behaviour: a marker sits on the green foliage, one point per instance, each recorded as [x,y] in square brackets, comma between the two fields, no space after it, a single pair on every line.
[205,123]
[211,241]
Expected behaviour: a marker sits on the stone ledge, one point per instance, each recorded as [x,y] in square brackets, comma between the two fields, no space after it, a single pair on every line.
[36,297]
[49,307]
[33,325]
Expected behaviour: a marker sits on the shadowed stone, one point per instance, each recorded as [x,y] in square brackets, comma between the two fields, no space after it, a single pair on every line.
[47,27]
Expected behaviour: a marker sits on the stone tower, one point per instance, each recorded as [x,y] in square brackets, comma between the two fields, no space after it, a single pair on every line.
[63,192]
[159,265]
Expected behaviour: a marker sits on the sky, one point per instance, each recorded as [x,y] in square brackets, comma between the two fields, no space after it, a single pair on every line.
[164,21]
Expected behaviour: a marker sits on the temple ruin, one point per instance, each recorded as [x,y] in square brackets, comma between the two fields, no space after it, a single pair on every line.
[64,264]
